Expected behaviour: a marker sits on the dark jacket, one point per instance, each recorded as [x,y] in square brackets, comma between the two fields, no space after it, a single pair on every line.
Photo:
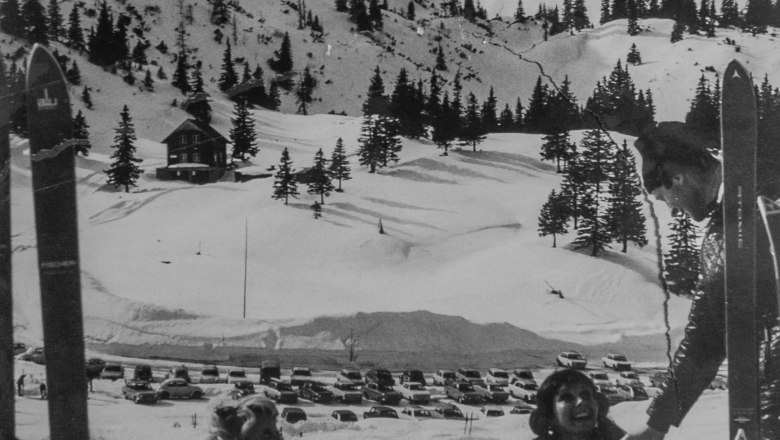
[703,348]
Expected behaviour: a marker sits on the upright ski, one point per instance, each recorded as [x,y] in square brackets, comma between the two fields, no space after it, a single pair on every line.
[7,395]
[738,138]
[770,215]
[56,226]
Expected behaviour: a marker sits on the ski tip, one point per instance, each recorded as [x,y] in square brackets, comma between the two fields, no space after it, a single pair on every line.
[735,70]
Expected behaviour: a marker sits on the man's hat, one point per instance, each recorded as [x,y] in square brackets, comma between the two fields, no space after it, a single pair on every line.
[674,141]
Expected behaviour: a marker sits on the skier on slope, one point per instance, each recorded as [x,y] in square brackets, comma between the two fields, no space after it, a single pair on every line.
[678,169]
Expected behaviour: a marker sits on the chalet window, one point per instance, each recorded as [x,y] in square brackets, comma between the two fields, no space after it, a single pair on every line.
[183,139]
[195,138]
[196,157]
[183,157]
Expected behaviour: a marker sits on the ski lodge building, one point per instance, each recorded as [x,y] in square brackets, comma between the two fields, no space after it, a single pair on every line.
[195,152]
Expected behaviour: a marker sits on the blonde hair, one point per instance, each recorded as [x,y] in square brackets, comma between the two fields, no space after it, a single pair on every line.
[251,418]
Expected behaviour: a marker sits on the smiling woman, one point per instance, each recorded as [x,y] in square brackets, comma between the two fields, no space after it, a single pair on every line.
[569,407]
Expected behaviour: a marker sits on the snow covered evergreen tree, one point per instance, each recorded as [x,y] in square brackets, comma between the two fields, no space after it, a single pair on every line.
[441,62]
[443,133]
[243,135]
[87,98]
[633,56]
[596,158]
[75,33]
[124,170]
[34,22]
[181,74]
[339,164]
[228,78]
[488,113]
[285,182]
[554,216]
[11,18]
[320,183]
[54,21]
[624,215]
[283,61]
[472,132]
[557,147]
[704,114]
[681,264]
[81,132]
[303,93]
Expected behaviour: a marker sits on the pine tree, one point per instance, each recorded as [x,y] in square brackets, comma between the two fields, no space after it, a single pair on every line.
[682,262]
[181,75]
[580,15]
[124,170]
[410,11]
[220,14]
[619,9]
[442,133]
[633,56]
[506,121]
[161,75]
[536,117]
[148,82]
[757,15]
[469,11]
[101,40]
[489,107]
[520,12]
[320,183]
[370,143]
[633,18]
[405,107]
[228,78]
[243,135]
[606,16]
[139,54]
[472,132]
[557,147]
[54,21]
[432,106]
[596,159]
[119,49]
[703,115]
[34,22]
[624,215]
[283,61]
[375,14]
[341,6]
[285,182]
[86,97]
[441,63]
[75,33]
[729,13]
[11,18]
[274,98]
[518,125]
[74,74]
[81,131]
[376,101]
[196,81]
[554,216]
[305,89]
[677,31]
[339,164]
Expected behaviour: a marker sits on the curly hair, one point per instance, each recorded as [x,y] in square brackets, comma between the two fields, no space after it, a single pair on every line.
[252,418]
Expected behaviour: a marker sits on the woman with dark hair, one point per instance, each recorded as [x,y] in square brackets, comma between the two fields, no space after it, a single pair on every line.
[569,407]
[251,418]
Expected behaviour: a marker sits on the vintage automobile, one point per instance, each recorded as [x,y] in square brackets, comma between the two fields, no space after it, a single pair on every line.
[414,392]
[38,356]
[209,375]
[112,372]
[143,372]
[349,375]
[315,391]
[346,392]
[447,411]
[524,376]
[416,412]
[629,378]
[292,415]
[470,375]
[492,411]
[571,359]
[497,376]
[381,393]
[462,392]
[281,391]
[521,408]
[492,392]
[235,375]
[19,347]
[599,378]
[300,375]
[178,388]
[379,375]
[614,394]
[243,388]
[344,415]
[411,375]
[380,412]
[442,376]
[636,392]
[181,372]
[617,362]
[523,390]
[270,369]
[139,391]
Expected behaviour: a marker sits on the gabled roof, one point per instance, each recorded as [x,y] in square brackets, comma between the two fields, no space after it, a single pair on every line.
[192,124]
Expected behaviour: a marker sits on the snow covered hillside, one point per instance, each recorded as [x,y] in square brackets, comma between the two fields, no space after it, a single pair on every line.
[165,263]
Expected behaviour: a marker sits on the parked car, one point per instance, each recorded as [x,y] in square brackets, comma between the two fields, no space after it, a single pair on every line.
[209,375]
[143,372]
[269,369]
[300,375]
[442,376]
[344,415]
[497,376]
[636,392]
[572,359]
[521,408]
[236,375]
[462,392]
[95,367]
[599,378]
[139,391]
[720,382]
[523,390]
[616,361]
[629,378]
[379,375]
[179,373]
[525,376]
[614,394]
[659,378]
[349,375]
[416,412]
[281,391]
[492,411]
[415,392]
[243,388]
[292,415]
[492,392]
[19,348]
[380,412]
[381,393]
[413,376]
[315,391]
[113,372]
[38,356]
[178,388]
[346,392]
[470,375]
[447,411]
